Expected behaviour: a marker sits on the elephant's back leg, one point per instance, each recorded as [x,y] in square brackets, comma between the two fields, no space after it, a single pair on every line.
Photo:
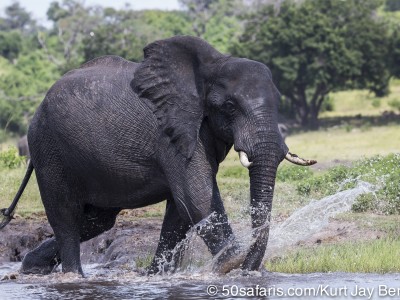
[44,258]
[61,195]
[96,221]
[61,191]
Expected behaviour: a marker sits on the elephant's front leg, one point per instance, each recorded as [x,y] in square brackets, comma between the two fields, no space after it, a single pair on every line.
[170,250]
[215,229]
[218,236]
[198,202]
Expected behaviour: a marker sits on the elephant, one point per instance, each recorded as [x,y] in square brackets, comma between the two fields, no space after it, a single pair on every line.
[115,134]
[283,129]
[23,148]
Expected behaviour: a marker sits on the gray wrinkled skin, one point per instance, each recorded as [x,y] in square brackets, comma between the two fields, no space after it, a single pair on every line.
[115,134]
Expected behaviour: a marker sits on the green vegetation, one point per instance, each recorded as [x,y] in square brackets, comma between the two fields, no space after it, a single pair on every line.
[30,203]
[395,104]
[347,142]
[10,159]
[362,102]
[312,52]
[381,171]
[338,61]
[313,48]
[355,256]
[377,256]
[388,225]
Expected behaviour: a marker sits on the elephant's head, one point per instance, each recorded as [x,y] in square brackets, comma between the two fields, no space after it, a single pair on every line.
[190,83]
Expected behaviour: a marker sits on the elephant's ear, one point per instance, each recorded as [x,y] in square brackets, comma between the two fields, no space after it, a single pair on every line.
[173,75]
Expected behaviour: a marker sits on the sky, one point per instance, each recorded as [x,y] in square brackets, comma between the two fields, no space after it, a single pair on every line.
[38,8]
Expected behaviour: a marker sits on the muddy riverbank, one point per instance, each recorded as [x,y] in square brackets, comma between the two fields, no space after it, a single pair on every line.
[133,239]
[129,241]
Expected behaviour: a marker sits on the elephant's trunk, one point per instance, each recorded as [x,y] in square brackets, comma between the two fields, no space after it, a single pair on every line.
[262,183]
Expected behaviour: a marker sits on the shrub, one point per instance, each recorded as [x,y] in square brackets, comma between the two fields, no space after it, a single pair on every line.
[384,172]
[10,159]
[395,104]
[326,184]
[293,173]
[364,202]
[376,102]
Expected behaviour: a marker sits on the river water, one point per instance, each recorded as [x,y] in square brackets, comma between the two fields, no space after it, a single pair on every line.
[198,285]
[197,282]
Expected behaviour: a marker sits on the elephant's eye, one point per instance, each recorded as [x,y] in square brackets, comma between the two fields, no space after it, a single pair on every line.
[229,106]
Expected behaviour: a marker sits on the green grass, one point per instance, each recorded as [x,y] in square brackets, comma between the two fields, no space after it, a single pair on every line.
[232,178]
[388,225]
[377,256]
[233,181]
[30,202]
[361,102]
[340,144]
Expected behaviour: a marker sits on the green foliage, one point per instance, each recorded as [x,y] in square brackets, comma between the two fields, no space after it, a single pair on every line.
[384,172]
[328,104]
[216,21]
[16,18]
[56,11]
[10,159]
[127,32]
[394,50]
[293,173]
[3,136]
[314,47]
[31,76]
[22,87]
[345,257]
[10,44]
[364,202]
[392,5]
[326,184]
[395,104]
[376,102]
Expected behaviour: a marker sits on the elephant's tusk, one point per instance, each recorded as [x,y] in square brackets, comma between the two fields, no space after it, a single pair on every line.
[244,159]
[293,158]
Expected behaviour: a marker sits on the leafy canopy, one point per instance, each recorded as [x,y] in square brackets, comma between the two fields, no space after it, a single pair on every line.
[318,46]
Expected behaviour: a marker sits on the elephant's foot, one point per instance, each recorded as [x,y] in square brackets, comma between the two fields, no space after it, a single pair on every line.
[42,260]
[161,267]
[233,256]
[229,258]
[34,264]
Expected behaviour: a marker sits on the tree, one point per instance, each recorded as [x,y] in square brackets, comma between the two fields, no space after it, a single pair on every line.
[10,44]
[395,53]
[126,32]
[215,20]
[392,5]
[72,22]
[315,47]
[22,87]
[16,18]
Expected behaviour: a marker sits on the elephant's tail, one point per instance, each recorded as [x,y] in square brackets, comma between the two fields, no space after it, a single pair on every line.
[8,212]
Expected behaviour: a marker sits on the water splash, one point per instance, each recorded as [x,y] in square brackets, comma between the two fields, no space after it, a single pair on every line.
[197,261]
[302,224]
[311,218]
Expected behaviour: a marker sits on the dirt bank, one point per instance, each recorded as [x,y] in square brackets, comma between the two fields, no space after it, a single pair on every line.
[134,239]
[131,239]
